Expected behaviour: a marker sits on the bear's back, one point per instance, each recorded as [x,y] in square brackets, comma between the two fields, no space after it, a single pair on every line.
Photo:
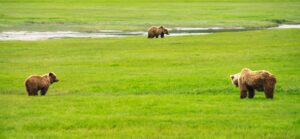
[257,79]
[36,80]
[153,29]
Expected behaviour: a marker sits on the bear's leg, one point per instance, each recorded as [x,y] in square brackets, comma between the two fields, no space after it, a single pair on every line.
[243,89]
[44,91]
[251,93]
[156,36]
[162,35]
[28,91]
[269,92]
[33,92]
[243,94]
[269,87]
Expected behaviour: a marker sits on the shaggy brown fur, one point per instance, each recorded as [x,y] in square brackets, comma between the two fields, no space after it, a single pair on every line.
[34,83]
[249,81]
[156,31]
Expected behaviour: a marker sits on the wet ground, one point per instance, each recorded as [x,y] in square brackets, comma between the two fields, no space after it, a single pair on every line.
[179,31]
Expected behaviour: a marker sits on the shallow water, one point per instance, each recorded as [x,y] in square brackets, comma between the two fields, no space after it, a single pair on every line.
[284,26]
[178,31]
[26,35]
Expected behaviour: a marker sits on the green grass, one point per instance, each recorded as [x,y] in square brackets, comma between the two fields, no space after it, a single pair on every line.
[150,116]
[97,15]
[134,87]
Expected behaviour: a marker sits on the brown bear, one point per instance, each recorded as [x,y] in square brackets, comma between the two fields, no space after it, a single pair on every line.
[35,83]
[249,81]
[156,31]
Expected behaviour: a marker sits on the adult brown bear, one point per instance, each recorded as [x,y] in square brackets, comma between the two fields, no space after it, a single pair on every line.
[249,81]
[156,31]
[35,83]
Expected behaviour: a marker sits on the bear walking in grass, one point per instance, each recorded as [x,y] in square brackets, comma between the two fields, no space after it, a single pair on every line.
[249,81]
[156,31]
[35,83]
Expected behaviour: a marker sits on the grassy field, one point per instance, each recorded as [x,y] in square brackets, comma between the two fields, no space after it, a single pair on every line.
[177,87]
[134,87]
[94,15]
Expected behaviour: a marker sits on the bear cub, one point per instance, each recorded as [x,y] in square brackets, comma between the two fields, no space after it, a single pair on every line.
[35,83]
[249,81]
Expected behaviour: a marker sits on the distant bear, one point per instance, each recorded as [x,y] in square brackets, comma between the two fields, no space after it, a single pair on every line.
[34,83]
[156,31]
[248,81]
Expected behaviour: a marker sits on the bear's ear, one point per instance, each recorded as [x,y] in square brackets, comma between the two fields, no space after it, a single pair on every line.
[161,27]
[231,76]
[50,74]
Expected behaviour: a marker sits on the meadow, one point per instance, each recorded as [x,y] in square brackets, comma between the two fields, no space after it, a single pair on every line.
[94,15]
[134,87]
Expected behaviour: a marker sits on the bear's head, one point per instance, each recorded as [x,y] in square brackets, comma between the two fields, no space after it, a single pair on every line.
[235,78]
[164,30]
[53,77]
